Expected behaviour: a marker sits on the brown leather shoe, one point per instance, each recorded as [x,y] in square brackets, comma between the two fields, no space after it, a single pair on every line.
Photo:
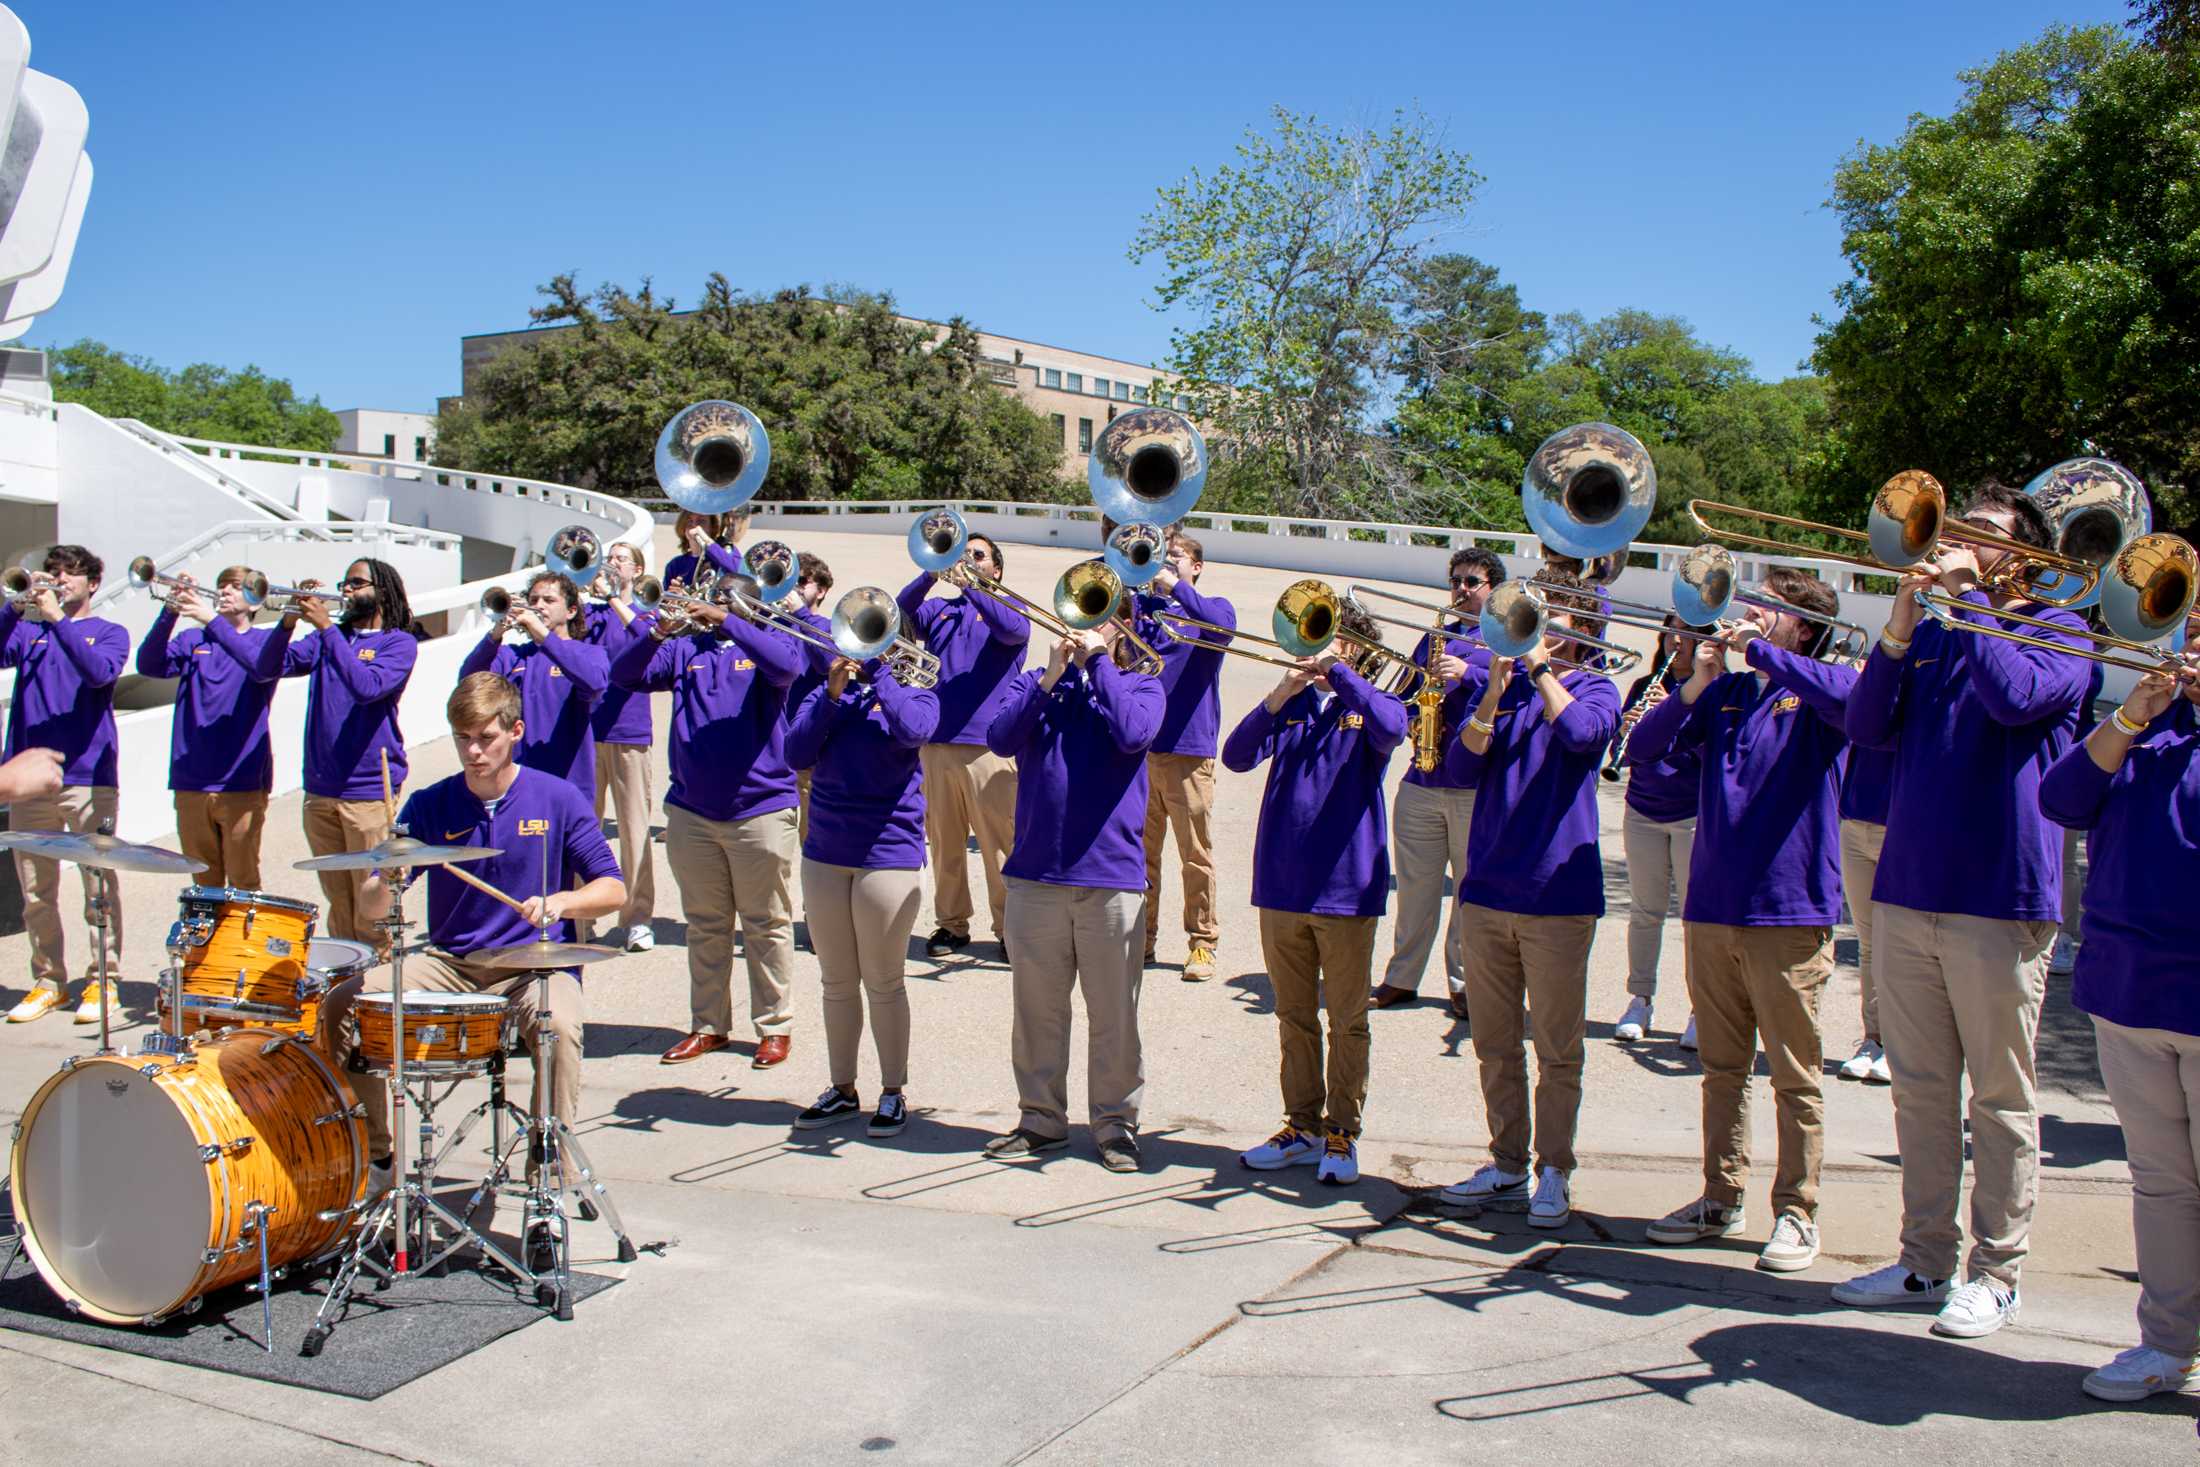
[1386,997]
[694,1047]
[771,1051]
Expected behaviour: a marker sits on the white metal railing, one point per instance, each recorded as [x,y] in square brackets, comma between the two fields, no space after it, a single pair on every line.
[177,450]
[290,531]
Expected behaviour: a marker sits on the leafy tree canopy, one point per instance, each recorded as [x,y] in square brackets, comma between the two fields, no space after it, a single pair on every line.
[201,401]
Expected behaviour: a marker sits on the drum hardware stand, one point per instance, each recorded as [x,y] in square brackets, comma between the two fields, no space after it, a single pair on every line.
[97,913]
[550,1141]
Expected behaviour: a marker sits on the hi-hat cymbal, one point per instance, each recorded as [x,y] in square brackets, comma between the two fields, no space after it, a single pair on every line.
[106,852]
[400,850]
[532,955]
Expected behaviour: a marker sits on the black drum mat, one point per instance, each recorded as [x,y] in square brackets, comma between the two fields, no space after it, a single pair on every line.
[382,1341]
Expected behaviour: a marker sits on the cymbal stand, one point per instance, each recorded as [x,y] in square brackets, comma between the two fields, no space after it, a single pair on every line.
[97,913]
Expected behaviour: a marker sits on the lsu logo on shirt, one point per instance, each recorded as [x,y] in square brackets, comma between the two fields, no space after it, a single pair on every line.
[366,654]
[743,664]
[200,651]
[556,671]
[1352,720]
[1787,704]
[534,827]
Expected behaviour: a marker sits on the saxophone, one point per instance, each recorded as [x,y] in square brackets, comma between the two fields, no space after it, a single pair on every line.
[1651,697]
[1428,708]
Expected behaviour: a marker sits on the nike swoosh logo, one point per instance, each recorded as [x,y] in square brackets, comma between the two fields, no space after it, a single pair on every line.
[451,835]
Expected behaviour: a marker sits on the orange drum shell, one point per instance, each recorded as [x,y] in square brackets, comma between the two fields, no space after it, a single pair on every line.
[232,1091]
[235,964]
[469,1035]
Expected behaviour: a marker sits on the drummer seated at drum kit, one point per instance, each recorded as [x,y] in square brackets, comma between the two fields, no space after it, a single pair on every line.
[550,844]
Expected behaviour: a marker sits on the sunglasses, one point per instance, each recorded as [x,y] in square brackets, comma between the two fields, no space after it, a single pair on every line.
[354,583]
[1467,583]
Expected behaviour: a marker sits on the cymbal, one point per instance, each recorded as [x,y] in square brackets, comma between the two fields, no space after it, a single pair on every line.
[106,852]
[530,955]
[399,850]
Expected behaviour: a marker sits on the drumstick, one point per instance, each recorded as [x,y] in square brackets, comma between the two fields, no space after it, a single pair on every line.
[389,798]
[479,885]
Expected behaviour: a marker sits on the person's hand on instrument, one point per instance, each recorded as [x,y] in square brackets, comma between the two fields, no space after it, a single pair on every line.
[314,608]
[1956,567]
[2150,698]
[190,605]
[28,775]
[842,672]
[1450,669]
[528,621]
[1088,644]
[46,600]
[539,911]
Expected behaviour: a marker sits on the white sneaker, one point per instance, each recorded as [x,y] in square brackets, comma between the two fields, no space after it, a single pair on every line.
[1634,1022]
[1858,1066]
[1792,1247]
[640,938]
[1886,1288]
[1491,1184]
[2138,1373]
[1699,1220]
[1340,1165]
[2065,956]
[1978,1308]
[1688,1035]
[1880,1074]
[1288,1147]
[1552,1204]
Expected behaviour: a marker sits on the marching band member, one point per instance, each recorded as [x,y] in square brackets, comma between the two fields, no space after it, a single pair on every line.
[1180,767]
[2135,785]
[66,664]
[560,679]
[980,641]
[694,534]
[1865,790]
[220,765]
[1658,835]
[494,801]
[1435,811]
[1078,730]
[1327,735]
[358,664]
[2062,959]
[813,579]
[1960,945]
[1760,910]
[1533,893]
[624,731]
[729,816]
[860,862]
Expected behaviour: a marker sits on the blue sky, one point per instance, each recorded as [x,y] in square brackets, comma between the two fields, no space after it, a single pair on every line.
[338,193]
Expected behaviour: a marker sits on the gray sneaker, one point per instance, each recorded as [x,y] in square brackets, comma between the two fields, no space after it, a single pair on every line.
[1119,1154]
[1699,1220]
[1792,1247]
[1023,1145]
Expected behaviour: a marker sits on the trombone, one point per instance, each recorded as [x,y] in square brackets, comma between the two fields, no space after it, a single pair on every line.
[867,624]
[1514,622]
[1304,623]
[1703,593]
[2146,595]
[1086,595]
[1907,524]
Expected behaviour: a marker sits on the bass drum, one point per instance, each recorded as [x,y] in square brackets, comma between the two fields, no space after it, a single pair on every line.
[135,1176]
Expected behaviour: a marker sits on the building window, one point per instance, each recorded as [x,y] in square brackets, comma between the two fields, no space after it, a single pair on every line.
[1076,382]
[1084,435]
[389,445]
[1061,429]
[1138,394]
[1122,392]
[1100,386]
[420,449]
[1054,376]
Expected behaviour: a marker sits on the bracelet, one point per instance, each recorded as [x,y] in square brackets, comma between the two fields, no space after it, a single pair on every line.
[1476,725]
[2125,726]
[1893,644]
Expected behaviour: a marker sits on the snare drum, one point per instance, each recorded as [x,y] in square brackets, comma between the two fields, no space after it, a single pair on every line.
[445,1033]
[243,956]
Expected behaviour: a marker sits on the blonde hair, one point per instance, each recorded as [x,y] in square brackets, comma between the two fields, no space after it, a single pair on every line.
[480,697]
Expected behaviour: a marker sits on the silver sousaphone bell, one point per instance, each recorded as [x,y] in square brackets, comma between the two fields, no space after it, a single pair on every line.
[1588,490]
[712,457]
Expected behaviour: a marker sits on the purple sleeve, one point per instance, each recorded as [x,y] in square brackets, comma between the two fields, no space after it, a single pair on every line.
[912,714]
[724,559]
[1253,739]
[154,656]
[2075,790]
[1875,704]
[1385,716]
[584,664]
[2019,684]
[483,656]
[1671,726]
[11,617]
[263,664]
[912,596]
[819,657]
[1206,608]
[99,661]
[587,854]
[778,657]
[646,665]
[300,657]
[1130,704]
[371,681]
[812,725]
[1824,686]
[1588,722]
[1005,622]
[1018,719]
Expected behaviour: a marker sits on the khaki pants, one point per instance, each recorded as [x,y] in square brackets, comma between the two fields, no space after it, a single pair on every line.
[859,923]
[1959,997]
[1746,982]
[1540,964]
[348,825]
[77,807]
[1428,834]
[623,773]
[438,972]
[1317,961]
[2153,1078]
[967,789]
[1657,864]
[1061,938]
[728,869]
[224,831]
[1861,843]
[1180,796]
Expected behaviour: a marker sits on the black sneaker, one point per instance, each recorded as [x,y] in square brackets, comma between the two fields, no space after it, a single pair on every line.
[1119,1154]
[893,1114]
[1023,1145]
[833,1107]
[942,942]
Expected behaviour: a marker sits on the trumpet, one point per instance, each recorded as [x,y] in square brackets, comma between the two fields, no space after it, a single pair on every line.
[1086,595]
[575,553]
[21,586]
[867,624]
[258,593]
[146,574]
[1513,624]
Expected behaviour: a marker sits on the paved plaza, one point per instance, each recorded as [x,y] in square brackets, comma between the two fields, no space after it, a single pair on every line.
[822,1297]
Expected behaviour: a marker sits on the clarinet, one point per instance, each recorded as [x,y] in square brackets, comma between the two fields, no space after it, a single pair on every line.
[1651,697]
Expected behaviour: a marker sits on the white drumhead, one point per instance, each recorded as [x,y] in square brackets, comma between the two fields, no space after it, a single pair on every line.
[431,1000]
[114,1193]
[337,958]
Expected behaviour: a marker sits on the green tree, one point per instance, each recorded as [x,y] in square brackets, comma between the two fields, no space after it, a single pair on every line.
[201,401]
[1295,265]
[859,404]
[2023,285]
